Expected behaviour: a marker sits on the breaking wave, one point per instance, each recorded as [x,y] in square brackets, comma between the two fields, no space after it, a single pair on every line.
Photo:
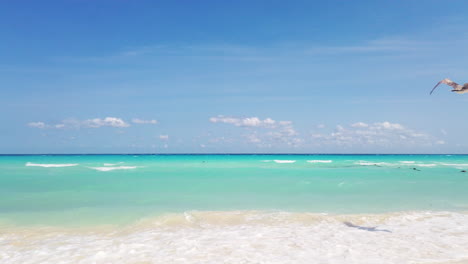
[114,168]
[30,164]
[284,161]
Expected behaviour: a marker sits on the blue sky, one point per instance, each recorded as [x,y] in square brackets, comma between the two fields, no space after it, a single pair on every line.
[117,76]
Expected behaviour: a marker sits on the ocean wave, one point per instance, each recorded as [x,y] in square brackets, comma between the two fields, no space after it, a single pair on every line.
[112,164]
[113,168]
[367,163]
[284,161]
[426,165]
[251,237]
[454,164]
[320,161]
[30,164]
[401,163]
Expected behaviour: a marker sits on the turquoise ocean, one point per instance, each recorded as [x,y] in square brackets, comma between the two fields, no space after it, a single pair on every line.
[233,208]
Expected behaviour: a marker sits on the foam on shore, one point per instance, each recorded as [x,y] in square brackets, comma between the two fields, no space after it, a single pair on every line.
[250,237]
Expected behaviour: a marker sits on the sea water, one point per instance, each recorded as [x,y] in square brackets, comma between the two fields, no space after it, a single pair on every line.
[234,209]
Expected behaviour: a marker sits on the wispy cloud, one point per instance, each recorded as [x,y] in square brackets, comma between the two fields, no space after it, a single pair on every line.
[373,46]
[105,122]
[142,121]
[384,134]
[92,123]
[269,133]
[224,52]
[245,122]
[37,124]
[88,123]
[121,55]
[263,132]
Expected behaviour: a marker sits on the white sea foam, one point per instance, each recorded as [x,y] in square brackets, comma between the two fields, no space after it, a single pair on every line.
[284,161]
[407,162]
[320,161]
[387,164]
[455,164]
[251,237]
[30,164]
[113,168]
[112,164]
[426,165]
[366,163]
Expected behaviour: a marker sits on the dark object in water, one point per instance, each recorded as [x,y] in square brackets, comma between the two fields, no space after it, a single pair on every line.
[463,171]
[416,169]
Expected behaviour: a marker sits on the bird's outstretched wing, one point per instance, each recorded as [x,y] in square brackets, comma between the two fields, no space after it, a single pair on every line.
[448,82]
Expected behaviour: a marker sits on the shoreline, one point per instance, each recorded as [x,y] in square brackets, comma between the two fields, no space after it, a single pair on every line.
[251,237]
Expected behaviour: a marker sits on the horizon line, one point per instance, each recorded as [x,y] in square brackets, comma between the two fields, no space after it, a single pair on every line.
[234,153]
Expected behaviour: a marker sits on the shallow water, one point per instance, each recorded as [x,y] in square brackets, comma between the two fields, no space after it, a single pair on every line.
[233,209]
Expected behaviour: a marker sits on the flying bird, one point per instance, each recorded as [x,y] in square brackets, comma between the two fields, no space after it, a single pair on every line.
[456,87]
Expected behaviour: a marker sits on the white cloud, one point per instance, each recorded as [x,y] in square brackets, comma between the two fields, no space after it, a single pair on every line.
[359,124]
[37,124]
[263,133]
[221,139]
[142,121]
[164,137]
[285,123]
[245,122]
[89,123]
[253,138]
[106,122]
[388,125]
[253,121]
[385,134]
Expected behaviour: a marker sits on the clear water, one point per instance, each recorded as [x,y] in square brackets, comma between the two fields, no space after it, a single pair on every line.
[190,200]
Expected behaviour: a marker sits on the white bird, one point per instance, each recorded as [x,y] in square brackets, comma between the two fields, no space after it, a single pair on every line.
[456,87]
